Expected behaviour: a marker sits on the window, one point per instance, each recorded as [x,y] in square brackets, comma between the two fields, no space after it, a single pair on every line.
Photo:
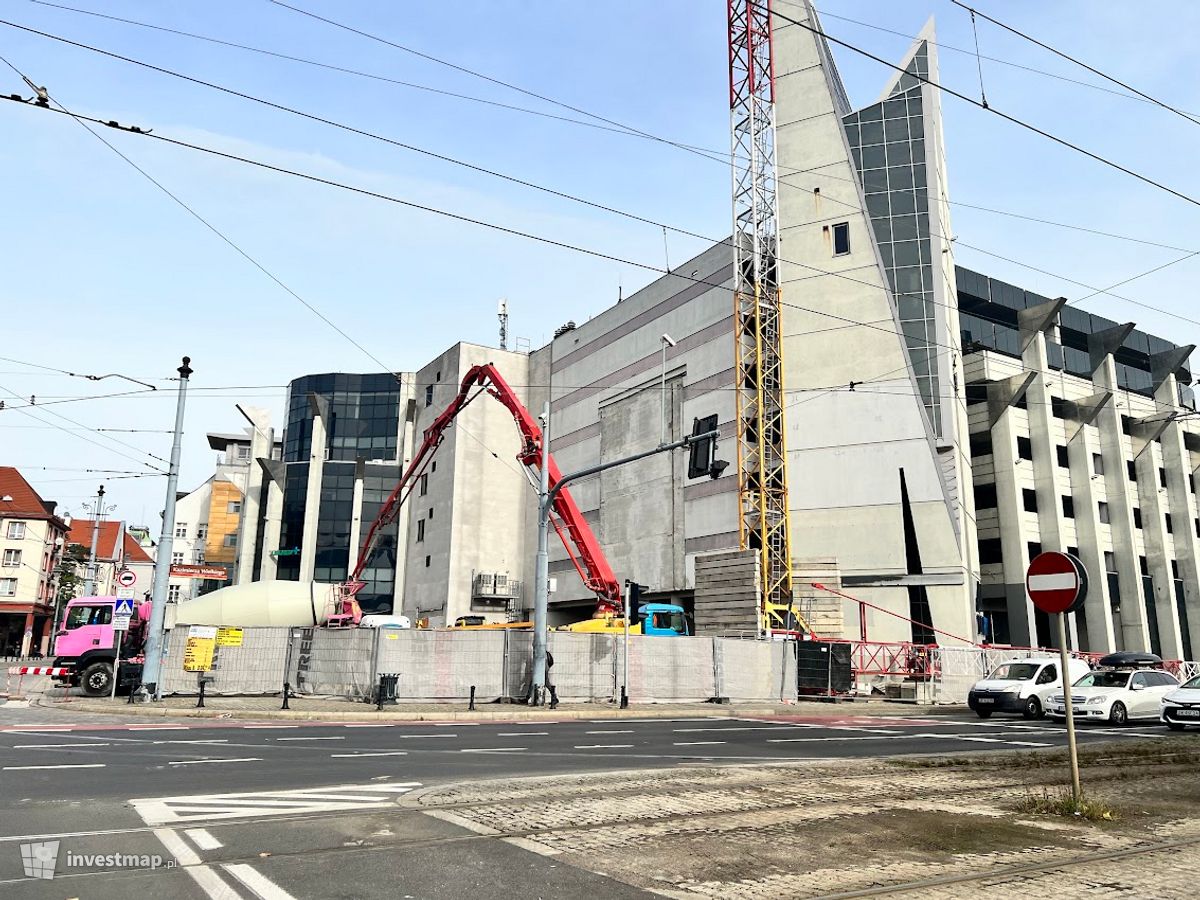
[424,485]
[181,529]
[990,551]
[429,395]
[841,239]
[1192,483]
[16,531]
[431,512]
[420,530]
[1144,565]
[1061,453]
[1024,448]
[1167,520]
[1047,675]
[985,496]
[1034,549]
[173,591]
[235,506]
[12,559]
[8,587]
[433,466]
[88,615]
[1131,468]
[1162,477]
[177,559]
[1102,511]
[1097,463]
[1068,507]
[230,540]
[1073,551]
[438,376]
[243,452]
[1110,561]
[199,555]
[427,559]
[1029,499]
[201,532]
[1138,681]
[1126,425]
[1137,517]
[1058,407]
[981,443]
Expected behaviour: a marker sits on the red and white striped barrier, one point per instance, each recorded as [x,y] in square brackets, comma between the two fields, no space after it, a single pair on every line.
[38,670]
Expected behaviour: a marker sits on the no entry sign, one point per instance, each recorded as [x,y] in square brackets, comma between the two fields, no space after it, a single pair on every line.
[1056,582]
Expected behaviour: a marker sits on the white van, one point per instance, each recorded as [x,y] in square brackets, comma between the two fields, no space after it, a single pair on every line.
[382,621]
[1023,686]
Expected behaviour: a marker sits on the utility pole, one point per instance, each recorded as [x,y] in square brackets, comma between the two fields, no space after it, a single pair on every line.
[89,588]
[667,341]
[502,314]
[162,567]
[546,497]
[541,591]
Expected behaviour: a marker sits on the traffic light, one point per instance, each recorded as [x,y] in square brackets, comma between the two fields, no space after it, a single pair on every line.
[702,454]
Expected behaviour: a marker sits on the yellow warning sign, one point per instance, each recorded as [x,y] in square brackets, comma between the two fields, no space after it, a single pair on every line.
[198,651]
[229,637]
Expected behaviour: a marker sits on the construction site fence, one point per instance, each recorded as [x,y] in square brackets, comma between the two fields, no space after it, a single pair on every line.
[447,665]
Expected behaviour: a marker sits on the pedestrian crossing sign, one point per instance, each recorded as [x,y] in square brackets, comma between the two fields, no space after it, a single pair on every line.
[124,607]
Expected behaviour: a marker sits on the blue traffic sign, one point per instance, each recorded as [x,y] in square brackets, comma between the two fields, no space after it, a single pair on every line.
[124,606]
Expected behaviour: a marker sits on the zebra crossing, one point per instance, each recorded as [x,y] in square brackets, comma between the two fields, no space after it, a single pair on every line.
[159,811]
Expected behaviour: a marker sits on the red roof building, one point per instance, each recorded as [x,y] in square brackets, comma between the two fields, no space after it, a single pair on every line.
[31,543]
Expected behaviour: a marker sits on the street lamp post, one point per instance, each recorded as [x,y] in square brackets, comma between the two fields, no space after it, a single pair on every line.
[151,681]
[89,587]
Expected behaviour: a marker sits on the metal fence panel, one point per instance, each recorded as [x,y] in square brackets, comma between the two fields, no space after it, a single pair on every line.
[585,666]
[444,665]
[670,668]
[332,662]
[746,669]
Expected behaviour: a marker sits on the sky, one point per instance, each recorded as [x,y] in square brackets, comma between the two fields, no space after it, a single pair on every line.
[104,273]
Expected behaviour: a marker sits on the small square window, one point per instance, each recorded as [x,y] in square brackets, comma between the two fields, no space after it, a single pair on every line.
[1068,507]
[1024,448]
[981,443]
[1034,549]
[1110,561]
[427,560]
[1029,499]
[1058,407]
[985,496]
[841,239]
[1097,463]
[16,531]
[1061,453]
[1102,512]
[429,395]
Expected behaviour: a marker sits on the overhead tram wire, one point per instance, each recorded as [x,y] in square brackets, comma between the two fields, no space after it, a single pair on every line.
[1071,59]
[718,156]
[1021,123]
[503,229]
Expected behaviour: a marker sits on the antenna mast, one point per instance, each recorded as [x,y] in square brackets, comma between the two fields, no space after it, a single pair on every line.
[502,314]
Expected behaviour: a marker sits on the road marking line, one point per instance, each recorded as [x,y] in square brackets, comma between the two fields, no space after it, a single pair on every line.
[212,807]
[260,727]
[209,741]
[196,762]
[257,882]
[1028,744]
[379,753]
[372,725]
[745,728]
[158,727]
[425,736]
[695,743]
[521,733]
[338,738]
[603,746]
[454,724]
[492,749]
[630,731]
[63,766]
[203,839]
[54,746]
[207,880]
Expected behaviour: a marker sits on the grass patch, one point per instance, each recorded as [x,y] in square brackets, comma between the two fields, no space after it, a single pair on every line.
[1162,751]
[1062,802]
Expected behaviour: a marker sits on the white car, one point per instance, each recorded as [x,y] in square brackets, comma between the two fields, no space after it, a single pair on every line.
[1181,707]
[1115,695]
[1022,686]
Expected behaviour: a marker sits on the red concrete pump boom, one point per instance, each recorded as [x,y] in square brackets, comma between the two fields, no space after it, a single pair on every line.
[581,544]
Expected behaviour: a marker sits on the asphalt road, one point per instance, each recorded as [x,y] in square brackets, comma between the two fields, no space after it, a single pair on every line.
[280,810]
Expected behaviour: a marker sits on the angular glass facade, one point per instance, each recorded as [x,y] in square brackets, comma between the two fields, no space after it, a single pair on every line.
[364,424]
[887,141]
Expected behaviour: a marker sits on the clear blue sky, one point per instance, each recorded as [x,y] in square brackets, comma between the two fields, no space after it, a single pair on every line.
[103,273]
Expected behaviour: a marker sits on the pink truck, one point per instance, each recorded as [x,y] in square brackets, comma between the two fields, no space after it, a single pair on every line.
[86,645]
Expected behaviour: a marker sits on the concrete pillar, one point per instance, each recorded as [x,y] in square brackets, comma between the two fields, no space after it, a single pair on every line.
[1049,479]
[1082,447]
[360,468]
[1182,502]
[273,471]
[27,634]
[1015,535]
[1152,499]
[262,439]
[312,493]
[1133,634]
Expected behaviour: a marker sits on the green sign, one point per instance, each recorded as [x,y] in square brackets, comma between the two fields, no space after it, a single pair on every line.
[295,551]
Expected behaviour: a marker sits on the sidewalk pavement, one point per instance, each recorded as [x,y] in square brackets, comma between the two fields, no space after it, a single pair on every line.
[347,711]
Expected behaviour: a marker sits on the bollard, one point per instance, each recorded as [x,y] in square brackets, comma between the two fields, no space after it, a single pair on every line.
[472,706]
[200,701]
[624,698]
[287,690]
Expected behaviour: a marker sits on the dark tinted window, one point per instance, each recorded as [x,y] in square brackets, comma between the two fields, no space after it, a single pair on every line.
[1029,499]
[841,238]
[1068,507]
[1024,448]
[985,496]
[990,551]
[981,443]
[1061,453]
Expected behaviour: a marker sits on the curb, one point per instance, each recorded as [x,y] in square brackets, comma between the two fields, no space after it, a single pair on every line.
[510,714]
